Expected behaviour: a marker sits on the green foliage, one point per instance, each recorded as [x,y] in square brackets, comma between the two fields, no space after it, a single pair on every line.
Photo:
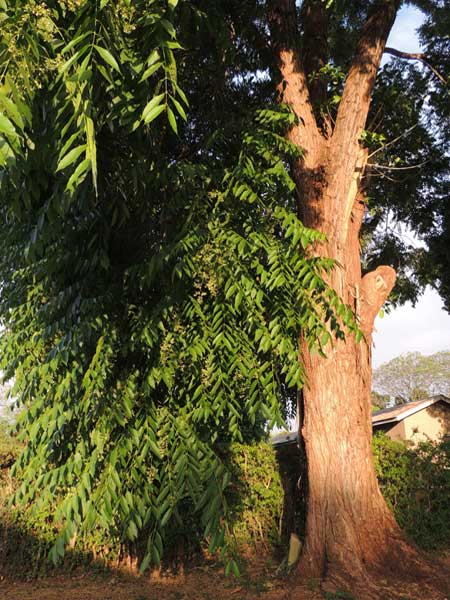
[339,595]
[254,499]
[409,164]
[127,393]
[256,496]
[9,445]
[416,483]
[154,281]
[413,376]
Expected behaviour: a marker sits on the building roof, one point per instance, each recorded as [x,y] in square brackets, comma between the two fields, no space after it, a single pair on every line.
[398,413]
[381,417]
[283,437]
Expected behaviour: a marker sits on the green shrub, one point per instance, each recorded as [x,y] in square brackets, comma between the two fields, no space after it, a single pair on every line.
[256,495]
[254,500]
[9,445]
[9,450]
[416,484]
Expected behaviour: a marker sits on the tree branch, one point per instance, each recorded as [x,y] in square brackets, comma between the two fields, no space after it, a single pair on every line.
[355,103]
[375,289]
[416,56]
[353,111]
[314,18]
[284,32]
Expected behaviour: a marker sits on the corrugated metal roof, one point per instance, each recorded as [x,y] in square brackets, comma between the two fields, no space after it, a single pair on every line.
[284,437]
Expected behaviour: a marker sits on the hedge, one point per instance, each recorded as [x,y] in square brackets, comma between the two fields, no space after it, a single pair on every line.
[264,505]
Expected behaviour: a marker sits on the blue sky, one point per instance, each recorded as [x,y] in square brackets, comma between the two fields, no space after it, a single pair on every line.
[425,328]
[403,36]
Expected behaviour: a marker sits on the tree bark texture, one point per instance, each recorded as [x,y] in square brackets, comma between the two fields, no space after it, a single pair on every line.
[348,525]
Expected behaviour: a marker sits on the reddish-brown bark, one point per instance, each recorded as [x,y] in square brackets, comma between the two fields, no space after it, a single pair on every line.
[349,527]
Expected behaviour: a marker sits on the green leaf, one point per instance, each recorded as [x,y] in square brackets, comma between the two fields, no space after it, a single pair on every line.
[70,157]
[108,57]
[11,109]
[7,127]
[180,109]
[172,120]
[152,69]
[168,26]
[145,562]
[74,42]
[91,149]
[151,110]
[73,59]
[78,175]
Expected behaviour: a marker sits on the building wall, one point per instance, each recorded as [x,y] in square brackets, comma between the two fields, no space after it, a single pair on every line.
[395,431]
[430,424]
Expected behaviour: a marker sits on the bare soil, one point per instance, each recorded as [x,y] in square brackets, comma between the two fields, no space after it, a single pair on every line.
[201,583]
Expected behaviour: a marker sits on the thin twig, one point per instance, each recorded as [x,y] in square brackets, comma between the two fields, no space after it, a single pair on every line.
[416,56]
[404,134]
[387,168]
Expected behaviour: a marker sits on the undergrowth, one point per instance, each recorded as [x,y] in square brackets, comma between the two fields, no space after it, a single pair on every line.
[414,480]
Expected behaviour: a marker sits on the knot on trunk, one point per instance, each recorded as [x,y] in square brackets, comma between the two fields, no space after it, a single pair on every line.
[375,289]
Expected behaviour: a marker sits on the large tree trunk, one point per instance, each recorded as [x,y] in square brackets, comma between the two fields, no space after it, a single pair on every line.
[348,523]
[349,527]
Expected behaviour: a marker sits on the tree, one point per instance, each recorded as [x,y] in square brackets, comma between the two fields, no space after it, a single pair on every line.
[413,376]
[379,401]
[115,73]
[348,525]
[152,285]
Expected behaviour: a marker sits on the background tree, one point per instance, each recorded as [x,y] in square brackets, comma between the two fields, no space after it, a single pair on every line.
[414,376]
[379,401]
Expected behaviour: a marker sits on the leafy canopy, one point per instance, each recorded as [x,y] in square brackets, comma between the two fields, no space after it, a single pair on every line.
[414,376]
[153,278]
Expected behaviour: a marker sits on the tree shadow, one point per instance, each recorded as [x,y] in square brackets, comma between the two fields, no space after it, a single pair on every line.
[24,554]
[292,469]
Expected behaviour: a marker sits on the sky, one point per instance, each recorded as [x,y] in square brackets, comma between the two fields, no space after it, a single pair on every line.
[425,328]
[403,34]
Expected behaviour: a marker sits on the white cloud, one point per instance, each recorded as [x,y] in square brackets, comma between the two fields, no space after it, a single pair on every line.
[424,328]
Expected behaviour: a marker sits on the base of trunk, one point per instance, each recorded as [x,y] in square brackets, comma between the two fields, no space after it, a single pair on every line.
[406,574]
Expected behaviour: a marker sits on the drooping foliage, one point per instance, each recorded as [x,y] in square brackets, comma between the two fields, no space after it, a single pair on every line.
[152,285]
[153,278]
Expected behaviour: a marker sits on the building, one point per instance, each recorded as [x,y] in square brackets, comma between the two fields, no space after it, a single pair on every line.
[425,420]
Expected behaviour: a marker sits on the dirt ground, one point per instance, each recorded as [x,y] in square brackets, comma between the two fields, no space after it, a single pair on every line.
[82,588]
[201,583]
